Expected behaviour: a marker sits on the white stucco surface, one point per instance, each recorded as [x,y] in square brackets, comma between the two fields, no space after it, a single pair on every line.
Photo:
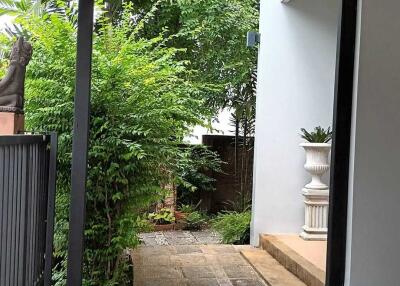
[4,20]
[296,78]
[374,233]
[221,125]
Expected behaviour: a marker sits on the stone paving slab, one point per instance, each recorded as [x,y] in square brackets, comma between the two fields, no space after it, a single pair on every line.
[193,265]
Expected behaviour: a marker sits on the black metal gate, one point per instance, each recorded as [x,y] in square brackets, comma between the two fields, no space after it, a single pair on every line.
[27,196]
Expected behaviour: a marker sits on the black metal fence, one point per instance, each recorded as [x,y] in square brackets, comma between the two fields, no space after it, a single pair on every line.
[27,197]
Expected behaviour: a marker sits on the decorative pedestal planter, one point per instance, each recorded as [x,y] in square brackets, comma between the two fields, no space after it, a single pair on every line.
[316,214]
[316,193]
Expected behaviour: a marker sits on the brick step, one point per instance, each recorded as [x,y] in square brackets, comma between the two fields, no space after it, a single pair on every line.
[292,261]
[273,273]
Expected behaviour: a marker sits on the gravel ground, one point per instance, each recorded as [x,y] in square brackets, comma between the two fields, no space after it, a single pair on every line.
[180,238]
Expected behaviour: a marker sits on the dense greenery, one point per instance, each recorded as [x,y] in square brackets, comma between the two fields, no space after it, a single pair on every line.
[159,68]
[213,32]
[233,226]
[143,104]
[196,165]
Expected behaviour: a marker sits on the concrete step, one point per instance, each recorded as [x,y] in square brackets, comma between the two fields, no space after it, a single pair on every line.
[273,273]
[302,268]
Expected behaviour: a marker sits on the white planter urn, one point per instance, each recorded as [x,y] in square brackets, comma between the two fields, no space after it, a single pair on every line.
[316,193]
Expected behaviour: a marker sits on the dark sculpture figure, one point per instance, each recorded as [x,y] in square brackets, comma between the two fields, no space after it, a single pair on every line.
[12,86]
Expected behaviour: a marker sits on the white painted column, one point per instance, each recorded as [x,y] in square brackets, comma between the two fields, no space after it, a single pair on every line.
[316,214]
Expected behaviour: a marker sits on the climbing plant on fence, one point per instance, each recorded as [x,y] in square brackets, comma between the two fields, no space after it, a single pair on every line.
[142,106]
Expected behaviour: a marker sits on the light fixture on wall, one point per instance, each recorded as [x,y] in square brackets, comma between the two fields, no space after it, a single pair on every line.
[253,39]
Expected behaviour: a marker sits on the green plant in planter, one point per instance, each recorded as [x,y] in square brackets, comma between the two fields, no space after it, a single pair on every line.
[195,220]
[164,216]
[319,135]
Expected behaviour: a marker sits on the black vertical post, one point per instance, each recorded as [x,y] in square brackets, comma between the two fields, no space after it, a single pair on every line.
[337,229]
[80,143]
[51,198]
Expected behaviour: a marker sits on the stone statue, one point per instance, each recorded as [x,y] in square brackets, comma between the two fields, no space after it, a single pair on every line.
[12,85]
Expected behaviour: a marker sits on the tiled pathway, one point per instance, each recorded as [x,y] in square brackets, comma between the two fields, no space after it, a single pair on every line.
[193,265]
[191,259]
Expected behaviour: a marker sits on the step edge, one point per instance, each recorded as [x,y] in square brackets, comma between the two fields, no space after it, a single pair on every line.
[255,268]
[260,273]
[292,261]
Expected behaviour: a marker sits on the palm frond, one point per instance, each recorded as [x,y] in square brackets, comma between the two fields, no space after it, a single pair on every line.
[8,3]
[319,135]
[16,31]
[9,12]
[8,7]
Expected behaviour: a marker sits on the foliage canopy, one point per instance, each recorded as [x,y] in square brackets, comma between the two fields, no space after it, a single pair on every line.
[143,104]
[159,68]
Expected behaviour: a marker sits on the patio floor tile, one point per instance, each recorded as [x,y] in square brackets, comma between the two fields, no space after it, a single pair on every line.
[203,282]
[240,272]
[192,265]
[198,272]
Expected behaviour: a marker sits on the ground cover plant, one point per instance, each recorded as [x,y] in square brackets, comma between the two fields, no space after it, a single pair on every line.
[233,226]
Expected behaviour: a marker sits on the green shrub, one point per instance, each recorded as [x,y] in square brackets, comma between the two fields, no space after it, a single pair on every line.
[195,166]
[142,106]
[143,223]
[233,226]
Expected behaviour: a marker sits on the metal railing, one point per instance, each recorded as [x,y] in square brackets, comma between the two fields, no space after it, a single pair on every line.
[27,198]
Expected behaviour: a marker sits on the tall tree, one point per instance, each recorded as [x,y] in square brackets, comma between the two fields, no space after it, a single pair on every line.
[213,33]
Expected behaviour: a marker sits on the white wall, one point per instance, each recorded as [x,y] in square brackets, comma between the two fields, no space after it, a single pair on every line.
[220,126]
[296,86]
[5,20]
[374,227]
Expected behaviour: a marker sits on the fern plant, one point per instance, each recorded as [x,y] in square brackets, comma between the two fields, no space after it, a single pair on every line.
[233,226]
[319,135]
